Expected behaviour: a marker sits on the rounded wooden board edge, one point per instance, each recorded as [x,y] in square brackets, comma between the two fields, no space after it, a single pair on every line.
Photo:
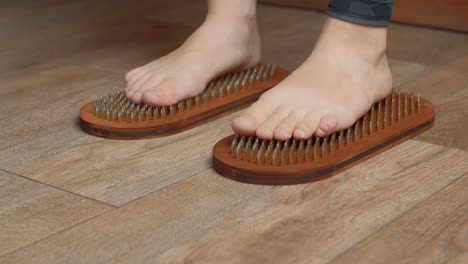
[286,175]
[98,127]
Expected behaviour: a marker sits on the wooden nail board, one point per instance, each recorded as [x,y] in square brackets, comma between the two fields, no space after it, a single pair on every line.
[397,118]
[116,117]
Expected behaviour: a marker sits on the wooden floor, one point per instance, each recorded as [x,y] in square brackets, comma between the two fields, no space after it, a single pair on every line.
[67,197]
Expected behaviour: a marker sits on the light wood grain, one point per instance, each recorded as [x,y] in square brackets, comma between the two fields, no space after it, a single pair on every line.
[47,100]
[30,211]
[435,231]
[206,218]
[447,88]
[406,71]
[314,224]
[114,171]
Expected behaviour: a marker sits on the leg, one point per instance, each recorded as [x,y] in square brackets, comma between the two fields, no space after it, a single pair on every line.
[227,40]
[345,74]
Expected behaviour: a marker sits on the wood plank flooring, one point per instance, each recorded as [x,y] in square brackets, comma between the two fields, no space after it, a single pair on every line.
[447,88]
[31,211]
[209,218]
[439,236]
[66,196]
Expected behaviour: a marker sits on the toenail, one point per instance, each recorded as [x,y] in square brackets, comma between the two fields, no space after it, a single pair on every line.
[281,132]
[300,133]
[320,132]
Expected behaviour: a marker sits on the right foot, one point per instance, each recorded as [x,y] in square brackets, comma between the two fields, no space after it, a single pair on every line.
[220,44]
[346,73]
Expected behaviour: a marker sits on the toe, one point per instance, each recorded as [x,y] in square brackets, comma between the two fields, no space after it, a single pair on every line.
[165,94]
[267,129]
[133,78]
[133,88]
[131,74]
[136,93]
[307,126]
[288,125]
[135,97]
[246,124]
[151,83]
[327,125]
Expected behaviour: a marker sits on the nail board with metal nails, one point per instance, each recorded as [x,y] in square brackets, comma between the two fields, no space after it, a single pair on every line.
[114,116]
[387,124]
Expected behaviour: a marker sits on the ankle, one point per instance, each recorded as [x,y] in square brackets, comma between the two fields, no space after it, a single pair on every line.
[232,10]
[353,40]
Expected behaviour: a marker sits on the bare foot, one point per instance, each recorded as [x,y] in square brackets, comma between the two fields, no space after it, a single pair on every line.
[227,40]
[345,74]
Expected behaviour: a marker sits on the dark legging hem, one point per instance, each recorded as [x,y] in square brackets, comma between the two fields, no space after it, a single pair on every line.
[366,21]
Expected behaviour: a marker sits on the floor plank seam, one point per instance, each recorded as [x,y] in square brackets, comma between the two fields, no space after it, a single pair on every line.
[157,190]
[450,223]
[34,138]
[91,218]
[56,233]
[58,188]
[440,145]
[31,139]
[397,218]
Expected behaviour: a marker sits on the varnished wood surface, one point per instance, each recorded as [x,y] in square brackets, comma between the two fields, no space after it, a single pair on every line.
[57,55]
[31,211]
[440,234]
[206,218]
[45,100]
[447,88]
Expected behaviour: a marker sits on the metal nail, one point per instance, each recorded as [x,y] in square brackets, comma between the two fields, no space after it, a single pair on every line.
[239,147]
[284,151]
[308,149]
[275,152]
[292,151]
[254,149]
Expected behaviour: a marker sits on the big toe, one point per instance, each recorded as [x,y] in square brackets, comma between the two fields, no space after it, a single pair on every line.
[247,124]
[327,125]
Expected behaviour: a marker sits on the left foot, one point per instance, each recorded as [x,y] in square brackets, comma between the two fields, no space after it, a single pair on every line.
[346,73]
